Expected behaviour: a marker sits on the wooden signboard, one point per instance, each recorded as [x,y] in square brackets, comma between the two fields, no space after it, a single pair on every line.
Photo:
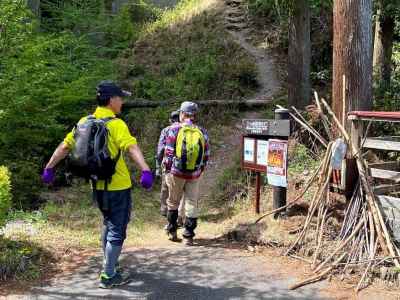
[265,127]
[256,147]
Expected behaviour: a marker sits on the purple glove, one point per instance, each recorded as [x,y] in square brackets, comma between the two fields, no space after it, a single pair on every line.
[146,180]
[48,175]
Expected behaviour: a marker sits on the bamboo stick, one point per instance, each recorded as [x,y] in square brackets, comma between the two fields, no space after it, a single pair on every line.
[325,121]
[341,246]
[308,128]
[319,276]
[369,193]
[316,201]
[359,286]
[317,196]
[308,185]
[317,250]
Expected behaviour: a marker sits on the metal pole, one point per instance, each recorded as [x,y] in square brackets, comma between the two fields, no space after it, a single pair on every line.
[258,188]
[279,193]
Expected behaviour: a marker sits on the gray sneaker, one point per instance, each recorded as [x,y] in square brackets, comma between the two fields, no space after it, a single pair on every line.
[109,282]
[118,267]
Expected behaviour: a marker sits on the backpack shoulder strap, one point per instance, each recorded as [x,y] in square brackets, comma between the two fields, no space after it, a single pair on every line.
[108,119]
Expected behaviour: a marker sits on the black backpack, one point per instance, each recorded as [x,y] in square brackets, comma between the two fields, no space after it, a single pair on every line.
[90,158]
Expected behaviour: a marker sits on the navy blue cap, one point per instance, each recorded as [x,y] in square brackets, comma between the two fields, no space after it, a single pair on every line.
[110,89]
[189,108]
[174,116]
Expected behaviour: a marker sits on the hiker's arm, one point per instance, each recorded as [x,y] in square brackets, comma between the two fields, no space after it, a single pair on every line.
[161,147]
[136,155]
[206,148]
[59,154]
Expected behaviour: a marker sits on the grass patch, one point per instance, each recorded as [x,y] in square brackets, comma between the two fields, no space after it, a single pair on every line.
[210,65]
[22,260]
[301,159]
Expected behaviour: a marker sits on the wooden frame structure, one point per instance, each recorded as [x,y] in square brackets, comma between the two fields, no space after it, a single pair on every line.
[387,174]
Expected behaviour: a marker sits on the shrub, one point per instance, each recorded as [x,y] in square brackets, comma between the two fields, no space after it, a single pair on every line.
[22,260]
[5,194]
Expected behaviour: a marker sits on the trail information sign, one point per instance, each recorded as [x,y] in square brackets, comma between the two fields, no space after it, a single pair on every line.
[255,141]
[262,152]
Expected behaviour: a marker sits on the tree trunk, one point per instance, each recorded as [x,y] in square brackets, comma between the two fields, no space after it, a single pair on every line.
[117,5]
[383,48]
[34,5]
[299,55]
[352,56]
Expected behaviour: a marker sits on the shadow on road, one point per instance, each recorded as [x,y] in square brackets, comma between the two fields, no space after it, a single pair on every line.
[202,272]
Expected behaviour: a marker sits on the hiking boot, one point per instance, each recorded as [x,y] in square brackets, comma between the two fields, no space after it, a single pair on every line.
[188,241]
[109,282]
[179,222]
[172,236]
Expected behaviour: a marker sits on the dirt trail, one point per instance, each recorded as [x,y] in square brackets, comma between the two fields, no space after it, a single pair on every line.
[269,86]
[237,25]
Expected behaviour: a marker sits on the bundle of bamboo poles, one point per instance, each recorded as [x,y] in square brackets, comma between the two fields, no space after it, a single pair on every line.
[364,240]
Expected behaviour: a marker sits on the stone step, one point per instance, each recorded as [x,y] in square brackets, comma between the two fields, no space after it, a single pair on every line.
[234,3]
[236,19]
[236,26]
[234,13]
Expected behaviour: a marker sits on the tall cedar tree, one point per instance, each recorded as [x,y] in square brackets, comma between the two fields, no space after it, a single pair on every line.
[352,55]
[299,54]
[383,42]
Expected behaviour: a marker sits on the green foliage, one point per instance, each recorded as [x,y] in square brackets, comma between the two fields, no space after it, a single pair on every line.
[40,88]
[15,25]
[5,194]
[301,159]
[21,260]
[208,67]
[90,19]
[47,79]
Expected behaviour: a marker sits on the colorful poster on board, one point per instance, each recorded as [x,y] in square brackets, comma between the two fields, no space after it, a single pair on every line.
[277,162]
[249,150]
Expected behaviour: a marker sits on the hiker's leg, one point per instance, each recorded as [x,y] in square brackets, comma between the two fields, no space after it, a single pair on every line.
[175,192]
[191,195]
[181,208]
[104,232]
[120,212]
[163,196]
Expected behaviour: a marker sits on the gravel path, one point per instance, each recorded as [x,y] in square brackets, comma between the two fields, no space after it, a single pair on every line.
[204,272]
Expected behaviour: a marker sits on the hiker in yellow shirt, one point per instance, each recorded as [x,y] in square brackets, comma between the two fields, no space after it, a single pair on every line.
[116,191]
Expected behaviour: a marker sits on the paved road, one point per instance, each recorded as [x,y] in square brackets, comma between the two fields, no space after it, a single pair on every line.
[178,272]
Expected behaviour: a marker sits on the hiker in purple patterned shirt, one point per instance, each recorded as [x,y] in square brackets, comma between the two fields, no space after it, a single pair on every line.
[160,170]
[186,155]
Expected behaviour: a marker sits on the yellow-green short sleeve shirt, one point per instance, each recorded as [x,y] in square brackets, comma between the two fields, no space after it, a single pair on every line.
[120,139]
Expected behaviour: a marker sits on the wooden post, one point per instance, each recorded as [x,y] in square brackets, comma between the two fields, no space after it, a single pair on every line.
[279,193]
[258,188]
